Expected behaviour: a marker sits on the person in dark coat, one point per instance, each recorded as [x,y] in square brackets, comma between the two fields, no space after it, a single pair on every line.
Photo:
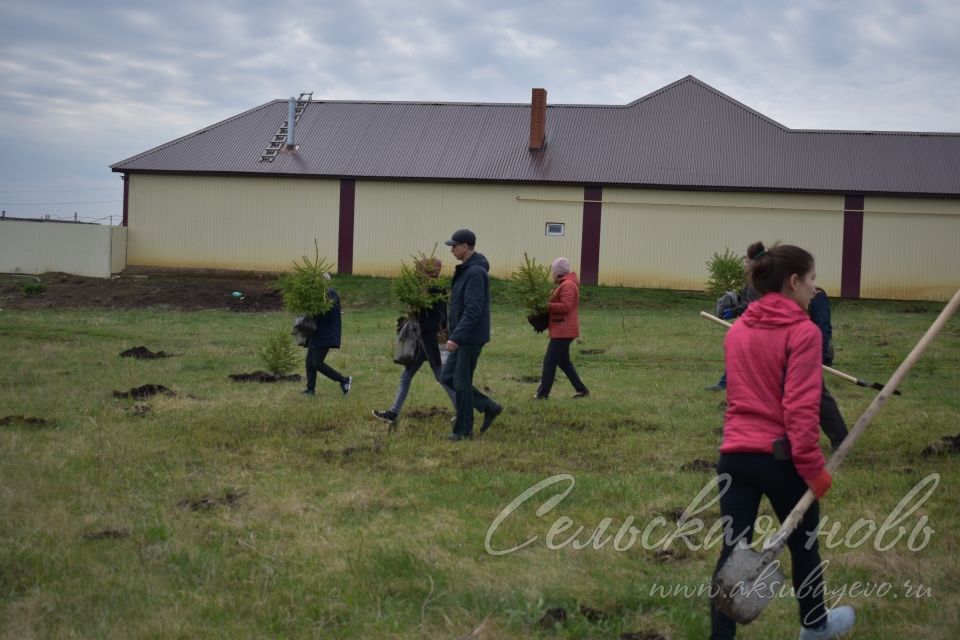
[469,325]
[431,321]
[831,420]
[325,337]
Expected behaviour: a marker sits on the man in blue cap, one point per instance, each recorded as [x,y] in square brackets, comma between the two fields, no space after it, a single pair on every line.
[469,330]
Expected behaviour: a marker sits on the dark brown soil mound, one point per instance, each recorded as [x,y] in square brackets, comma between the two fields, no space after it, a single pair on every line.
[263,376]
[947,444]
[140,287]
[700,465]
[6,421]
[142,353]
[145,391]
[429,412]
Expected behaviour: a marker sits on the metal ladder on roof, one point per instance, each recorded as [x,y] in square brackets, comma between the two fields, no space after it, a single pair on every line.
[280,137]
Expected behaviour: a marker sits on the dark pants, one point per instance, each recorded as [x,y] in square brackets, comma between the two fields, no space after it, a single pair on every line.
[315,362]
[429,351]
[558,355]
[754,475]
[830,419]
[458,373]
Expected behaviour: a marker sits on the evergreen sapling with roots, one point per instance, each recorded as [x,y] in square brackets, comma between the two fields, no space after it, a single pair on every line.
[531,284]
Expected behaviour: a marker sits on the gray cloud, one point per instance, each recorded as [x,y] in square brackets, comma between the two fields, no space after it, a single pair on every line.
[83,85]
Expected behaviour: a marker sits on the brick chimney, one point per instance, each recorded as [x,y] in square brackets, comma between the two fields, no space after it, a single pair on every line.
[538,119]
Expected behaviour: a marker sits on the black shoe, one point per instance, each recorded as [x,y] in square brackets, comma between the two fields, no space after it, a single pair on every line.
[387,416]
[307,392]
[540,397]
[456,437]
[489,416]
[345,386]
[581,394]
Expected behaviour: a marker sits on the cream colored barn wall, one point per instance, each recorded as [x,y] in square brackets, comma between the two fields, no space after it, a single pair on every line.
[663,239]
[230,223]
[396,219]
[118,249]
[911,249]
[41,247]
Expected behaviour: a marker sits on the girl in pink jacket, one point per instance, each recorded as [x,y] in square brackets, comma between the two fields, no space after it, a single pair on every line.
[564,326]
[771,428]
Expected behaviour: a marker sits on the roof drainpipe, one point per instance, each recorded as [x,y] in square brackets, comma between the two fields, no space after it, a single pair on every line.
[538,119]
[291,114]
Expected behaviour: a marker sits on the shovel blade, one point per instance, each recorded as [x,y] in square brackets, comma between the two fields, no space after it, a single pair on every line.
[746,583]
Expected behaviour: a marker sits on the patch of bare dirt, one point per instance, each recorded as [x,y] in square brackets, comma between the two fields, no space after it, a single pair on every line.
[264,376]
[429,412]
[641,635]
[947,444]
[144,391]
[592,352]
[554,616]
[108,534]
[205,503]
[700,465]
[139,287]
[142,353]
[528,379]
[27,421]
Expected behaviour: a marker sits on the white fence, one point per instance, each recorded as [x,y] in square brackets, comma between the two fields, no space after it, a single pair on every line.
[40,246]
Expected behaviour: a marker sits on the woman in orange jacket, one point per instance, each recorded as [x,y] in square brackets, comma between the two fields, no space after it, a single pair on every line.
[564,327]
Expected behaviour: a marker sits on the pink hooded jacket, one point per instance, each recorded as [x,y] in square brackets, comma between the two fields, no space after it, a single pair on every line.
[774,381]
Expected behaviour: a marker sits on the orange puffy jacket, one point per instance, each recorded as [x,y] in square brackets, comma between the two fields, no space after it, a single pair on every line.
[564,302]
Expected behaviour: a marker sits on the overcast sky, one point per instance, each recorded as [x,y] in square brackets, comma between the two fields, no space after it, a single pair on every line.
[85,84]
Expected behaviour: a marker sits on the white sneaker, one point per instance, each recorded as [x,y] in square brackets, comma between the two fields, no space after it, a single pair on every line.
[839,621]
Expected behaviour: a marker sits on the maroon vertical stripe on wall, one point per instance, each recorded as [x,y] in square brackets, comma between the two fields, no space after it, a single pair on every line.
[590,242]
[852,246]
[126,197]
[345,236]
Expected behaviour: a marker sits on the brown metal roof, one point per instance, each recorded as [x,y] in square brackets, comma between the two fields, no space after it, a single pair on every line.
[685,135]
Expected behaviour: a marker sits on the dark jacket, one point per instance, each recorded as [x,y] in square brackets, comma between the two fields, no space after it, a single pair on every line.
[820,314]
[327,334]
[435,317]
[747,295]
[469,316]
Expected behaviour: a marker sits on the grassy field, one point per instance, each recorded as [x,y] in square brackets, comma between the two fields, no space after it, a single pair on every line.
[248,510]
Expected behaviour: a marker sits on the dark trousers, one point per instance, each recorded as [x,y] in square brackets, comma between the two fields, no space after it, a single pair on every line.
[558,355]
[315,362]
[429,351]
[754,475]
[458,373]
[830,419]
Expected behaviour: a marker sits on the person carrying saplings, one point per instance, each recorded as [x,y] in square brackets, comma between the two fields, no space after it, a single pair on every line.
[325,337]
[771,432]
[432,320]
[564,326]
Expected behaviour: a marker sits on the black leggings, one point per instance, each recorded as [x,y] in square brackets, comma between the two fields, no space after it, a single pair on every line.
[315,362]
[754,475]
[558,355]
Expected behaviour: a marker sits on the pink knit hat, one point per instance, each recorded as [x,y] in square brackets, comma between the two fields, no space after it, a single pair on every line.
[560,267]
